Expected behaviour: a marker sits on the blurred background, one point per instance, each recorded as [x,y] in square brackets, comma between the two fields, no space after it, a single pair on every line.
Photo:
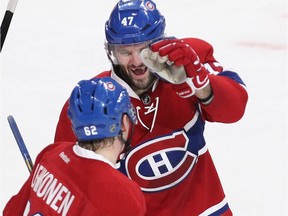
[51,45]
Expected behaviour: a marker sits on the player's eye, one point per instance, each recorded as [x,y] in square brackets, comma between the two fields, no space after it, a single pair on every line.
[125,52]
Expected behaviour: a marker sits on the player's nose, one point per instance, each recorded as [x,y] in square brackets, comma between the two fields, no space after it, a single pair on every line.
[136,58]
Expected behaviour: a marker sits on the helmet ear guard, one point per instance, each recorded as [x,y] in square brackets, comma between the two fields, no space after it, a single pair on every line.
[109,51]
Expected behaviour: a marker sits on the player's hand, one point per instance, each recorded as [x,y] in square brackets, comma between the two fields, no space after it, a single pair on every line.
[178,53]
[162,67]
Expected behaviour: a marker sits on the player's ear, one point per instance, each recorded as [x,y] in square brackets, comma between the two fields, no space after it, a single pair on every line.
[125,124]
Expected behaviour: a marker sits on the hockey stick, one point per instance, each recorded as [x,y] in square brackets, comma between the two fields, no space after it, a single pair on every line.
[7,20]
[20,142]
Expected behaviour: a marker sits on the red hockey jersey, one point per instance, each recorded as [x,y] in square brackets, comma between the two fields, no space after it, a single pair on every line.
[169,159]
[69,180]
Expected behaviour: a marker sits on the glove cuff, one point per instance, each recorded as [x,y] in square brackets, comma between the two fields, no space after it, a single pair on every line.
[208,99]
[200,82]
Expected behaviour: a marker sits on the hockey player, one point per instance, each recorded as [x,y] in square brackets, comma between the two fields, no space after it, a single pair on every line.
[81,179]
[175,85]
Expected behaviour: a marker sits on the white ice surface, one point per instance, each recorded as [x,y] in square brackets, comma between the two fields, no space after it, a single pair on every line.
[51,45]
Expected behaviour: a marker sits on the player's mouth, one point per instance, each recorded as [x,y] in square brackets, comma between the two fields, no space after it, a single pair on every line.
[139,71]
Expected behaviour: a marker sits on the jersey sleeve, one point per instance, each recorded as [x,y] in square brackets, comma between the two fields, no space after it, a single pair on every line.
[18,203]
[229,102]
[230,93]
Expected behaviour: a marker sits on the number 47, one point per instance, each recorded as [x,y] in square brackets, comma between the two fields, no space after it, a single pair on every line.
[127,20]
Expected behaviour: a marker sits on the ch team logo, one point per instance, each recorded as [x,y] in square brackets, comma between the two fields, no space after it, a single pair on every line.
[160,163]
[110,86]
[150,6]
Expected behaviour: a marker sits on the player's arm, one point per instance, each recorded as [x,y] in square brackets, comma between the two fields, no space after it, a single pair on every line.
[18,204]
[221,93]
[228,99]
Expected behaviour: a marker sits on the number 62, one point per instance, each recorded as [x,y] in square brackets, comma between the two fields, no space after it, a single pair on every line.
[91,130]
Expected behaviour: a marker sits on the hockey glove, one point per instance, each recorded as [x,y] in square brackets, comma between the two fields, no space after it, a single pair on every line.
[176,62]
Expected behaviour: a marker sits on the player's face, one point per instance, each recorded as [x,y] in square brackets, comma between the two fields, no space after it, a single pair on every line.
[129,58]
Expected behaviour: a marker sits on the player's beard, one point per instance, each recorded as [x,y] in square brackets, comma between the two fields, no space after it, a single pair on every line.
[138,85]
[144,83]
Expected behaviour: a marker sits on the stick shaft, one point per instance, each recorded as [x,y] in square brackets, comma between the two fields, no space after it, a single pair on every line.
[20,143]
[7,20]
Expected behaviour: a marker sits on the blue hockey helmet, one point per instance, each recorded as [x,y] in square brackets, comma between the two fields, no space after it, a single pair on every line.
[96,108]
[134,21]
